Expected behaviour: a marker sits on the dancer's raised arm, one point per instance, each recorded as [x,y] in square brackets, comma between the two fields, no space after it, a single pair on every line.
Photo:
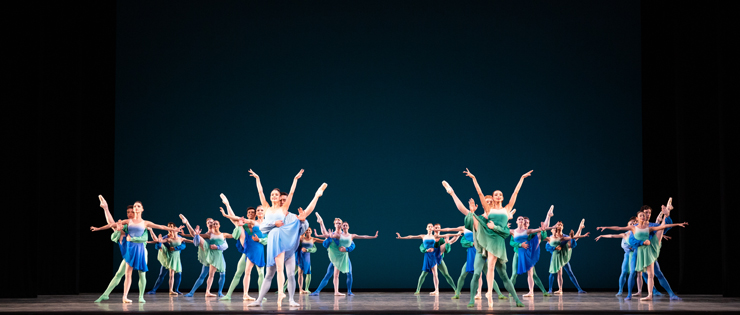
[512,200]
[259,189]
[482,197]
[302,215]
[193,232]
[364,237]
[286,205]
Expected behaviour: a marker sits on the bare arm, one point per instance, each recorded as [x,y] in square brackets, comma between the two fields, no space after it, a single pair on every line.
[615,228]
[364,237]
[482,197]
[286,205]
[104,227]
[410,237]
[457,229]
[302,215]
[621,235]
[162,227]
[259,189]
[665,226]
[512,200]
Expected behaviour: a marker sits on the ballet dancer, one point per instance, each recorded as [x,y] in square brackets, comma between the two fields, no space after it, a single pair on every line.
[526,243]
[211,247]
[467,242]
[251,243]
[327,243]
[490,232]
[168,254]
[648,252]
[441,266]
[560,247]
[629,253]
[431,256]
[283,231]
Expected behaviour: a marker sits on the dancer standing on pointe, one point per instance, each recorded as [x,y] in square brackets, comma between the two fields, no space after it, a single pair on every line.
[136,255]
[283,231]
[560,247]
[649,251]
[329,243]
[490,232]
[629,253]
[168,254]
[250,242]
[431,257]
[467,242]
[526,243]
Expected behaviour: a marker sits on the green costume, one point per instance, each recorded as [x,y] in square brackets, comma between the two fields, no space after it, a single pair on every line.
[170,259]
[646,254]
[338,258]
[212,257]
[560,257]
[242,264]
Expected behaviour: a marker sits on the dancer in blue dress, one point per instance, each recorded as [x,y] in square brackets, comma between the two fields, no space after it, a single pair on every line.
[441,266]
[526,243]
[432,255]
[628,254]
[283,231]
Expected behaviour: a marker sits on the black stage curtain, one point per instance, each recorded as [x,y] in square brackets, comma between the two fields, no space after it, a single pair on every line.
[64,142]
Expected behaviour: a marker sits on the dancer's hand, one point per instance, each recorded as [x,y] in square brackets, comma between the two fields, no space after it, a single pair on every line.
[224,200]
[597,238]
[666,237]
[376,234]
[300,173]
[94,229]
[172,249]
[197,230]
[255,238]
[646,243]
[468,173]
[303,250]
[601,228]
[103,203]
[527,174]
[586,235]
[429,250]
[472,205]
[213,246]
[222,211]
[508,225]
[319,220]
[253,174]
[525,245]
[398,235]
[300,212]
[558,248]
[683,224]
[491,225]
[279,223]
[342,249]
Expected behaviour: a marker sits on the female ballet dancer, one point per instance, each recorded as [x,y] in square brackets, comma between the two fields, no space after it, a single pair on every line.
[136,255]
[283,231]
[250,242]
[329,242]
[340,258]
[211,247]
[526,243]
[467,242]
[649,251]
[441,266]
[628,254]
[560,248]
[169,248]
[431,256]
[303,259]
[490,232]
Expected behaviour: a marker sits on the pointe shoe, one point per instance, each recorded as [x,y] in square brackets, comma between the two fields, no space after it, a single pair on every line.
[434,293]
[447,187]
[101,298]
[320,192]
[530,294]
[488,295]
[171,293]
[125,300]
[558,292]
[339,294]
[647,298]
[141,300]
[209,294]
[293,303]
[255,303]
[478,297]
[248,298]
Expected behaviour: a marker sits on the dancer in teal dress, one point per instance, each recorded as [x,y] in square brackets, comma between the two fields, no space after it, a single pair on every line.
[211,246]
[628,253]
[490,232]
[168,254]
[649,251]
[561,252]
[526,243]
[432,255]
[339,241]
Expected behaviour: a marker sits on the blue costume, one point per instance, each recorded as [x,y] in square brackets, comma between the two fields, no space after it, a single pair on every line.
[330,270]
[163,272]
[252,250]
[635,243]
[566,267]
[431,259]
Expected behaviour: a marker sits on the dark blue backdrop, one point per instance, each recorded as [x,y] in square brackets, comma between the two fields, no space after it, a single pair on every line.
[382,101]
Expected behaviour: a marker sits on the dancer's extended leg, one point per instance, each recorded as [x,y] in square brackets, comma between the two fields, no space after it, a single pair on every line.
[163,272]
[501,269]
[113,282]
[201,278]
[421,281]
[572,277]
[325,280]
[442,268]
[241,265]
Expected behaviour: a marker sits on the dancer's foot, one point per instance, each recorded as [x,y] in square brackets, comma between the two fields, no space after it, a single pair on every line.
[281,296]
[125,300]
[434,293]
[209,294]
[488,295]
[220,294]
[519,304]
[189,294]
[582,292]
[173,293]
[490,301]
[293,303]
[558,292]
[225,297]
[530,294]
[628,298]
[471,304]
[657,293]
[447,187]
[280,299]
[101,298]
[255,303]
[546,294]
[141,299]
[151,292]
[675,298]
[248,298]
[647,298]
[315,293]
[618,293]
[415,293]
[456,297]
[339,294]
[349,293]
[502,297]
[637,294]
[478,296]
[178,292]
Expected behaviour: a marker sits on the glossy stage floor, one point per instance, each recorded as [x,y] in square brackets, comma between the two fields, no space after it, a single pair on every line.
[375,302]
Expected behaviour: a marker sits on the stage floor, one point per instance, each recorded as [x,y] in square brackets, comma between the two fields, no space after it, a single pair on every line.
[370,302]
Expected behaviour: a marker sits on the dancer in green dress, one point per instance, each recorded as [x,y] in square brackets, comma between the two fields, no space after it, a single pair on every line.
[561,252]
[490,231]
[169,257]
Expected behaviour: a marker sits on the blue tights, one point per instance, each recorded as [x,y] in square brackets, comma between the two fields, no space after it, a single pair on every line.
[659,274]
[572,277]
[201,278]
[164,273]
[329,274]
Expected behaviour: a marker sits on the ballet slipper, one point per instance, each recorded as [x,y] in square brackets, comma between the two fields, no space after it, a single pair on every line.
[125,300]
[293,303]
[173,293]
[255,303]
[248,298]
[141,300]
[434,293]
[339,294]
[209,294]
[530,294]
[101,298]
[416,293]
[478,296]
[647,298]
[447,187]
[558,292]
[320,192]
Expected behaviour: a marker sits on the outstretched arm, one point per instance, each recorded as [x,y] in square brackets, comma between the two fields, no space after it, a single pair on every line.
[410,237]
[456,229]
[259,189]
[302,215]
[364,237]
[482,197]
[286,205]
[512,200]
[615,228]
[543,227]
[621,235]
[162,227]
[666,226]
